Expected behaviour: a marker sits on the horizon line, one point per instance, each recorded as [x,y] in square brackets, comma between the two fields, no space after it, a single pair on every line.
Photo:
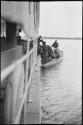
[72,38]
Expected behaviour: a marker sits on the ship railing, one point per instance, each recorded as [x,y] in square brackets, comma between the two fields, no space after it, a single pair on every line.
[18,86]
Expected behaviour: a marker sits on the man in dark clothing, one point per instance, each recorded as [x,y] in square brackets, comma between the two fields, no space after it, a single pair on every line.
[39,47]
[44,55]
[55,44]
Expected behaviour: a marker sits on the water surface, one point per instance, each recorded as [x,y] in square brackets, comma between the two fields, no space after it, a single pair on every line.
[61,94]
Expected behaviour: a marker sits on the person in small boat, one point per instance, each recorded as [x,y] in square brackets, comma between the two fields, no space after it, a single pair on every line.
[50,53]
[55,49]
[39,47]
[55,45]
[39,38]
[44,54]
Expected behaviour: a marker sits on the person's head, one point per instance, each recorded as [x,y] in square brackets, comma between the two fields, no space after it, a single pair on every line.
[40,36]
[55,41]
[19,30]
[44,43]
[41,41]
[55,44]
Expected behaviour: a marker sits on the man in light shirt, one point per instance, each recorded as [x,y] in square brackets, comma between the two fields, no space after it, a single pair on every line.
[22,34]
[55,49]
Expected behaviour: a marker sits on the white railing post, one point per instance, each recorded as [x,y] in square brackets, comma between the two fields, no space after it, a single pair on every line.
[26,82]
[32,63]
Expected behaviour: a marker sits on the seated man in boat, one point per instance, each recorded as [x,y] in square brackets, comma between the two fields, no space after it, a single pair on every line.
[50,53]
[55,45]
[55,49]
[44,55]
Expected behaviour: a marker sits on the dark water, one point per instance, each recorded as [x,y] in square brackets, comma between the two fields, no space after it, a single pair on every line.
[61,87]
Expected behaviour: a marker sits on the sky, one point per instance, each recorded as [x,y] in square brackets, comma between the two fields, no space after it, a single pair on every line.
[61,19]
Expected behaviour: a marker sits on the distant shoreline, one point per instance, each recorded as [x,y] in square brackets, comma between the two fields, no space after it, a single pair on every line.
[68,38]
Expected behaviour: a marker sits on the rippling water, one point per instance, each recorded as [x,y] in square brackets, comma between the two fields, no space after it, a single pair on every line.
[61,86]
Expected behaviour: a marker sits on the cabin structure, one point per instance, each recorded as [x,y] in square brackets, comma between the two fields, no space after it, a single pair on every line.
[18,62]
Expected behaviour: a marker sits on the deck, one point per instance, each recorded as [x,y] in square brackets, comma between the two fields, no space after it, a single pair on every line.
[33,115]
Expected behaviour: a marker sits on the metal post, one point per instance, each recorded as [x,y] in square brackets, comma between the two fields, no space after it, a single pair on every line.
[26,81]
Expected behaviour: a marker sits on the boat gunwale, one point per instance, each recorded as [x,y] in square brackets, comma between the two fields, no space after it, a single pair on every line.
[51,63]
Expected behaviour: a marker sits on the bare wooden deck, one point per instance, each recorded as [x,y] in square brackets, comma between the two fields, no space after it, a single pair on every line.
[33,106]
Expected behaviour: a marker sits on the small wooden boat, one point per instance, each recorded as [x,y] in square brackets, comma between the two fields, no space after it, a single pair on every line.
[54,61]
